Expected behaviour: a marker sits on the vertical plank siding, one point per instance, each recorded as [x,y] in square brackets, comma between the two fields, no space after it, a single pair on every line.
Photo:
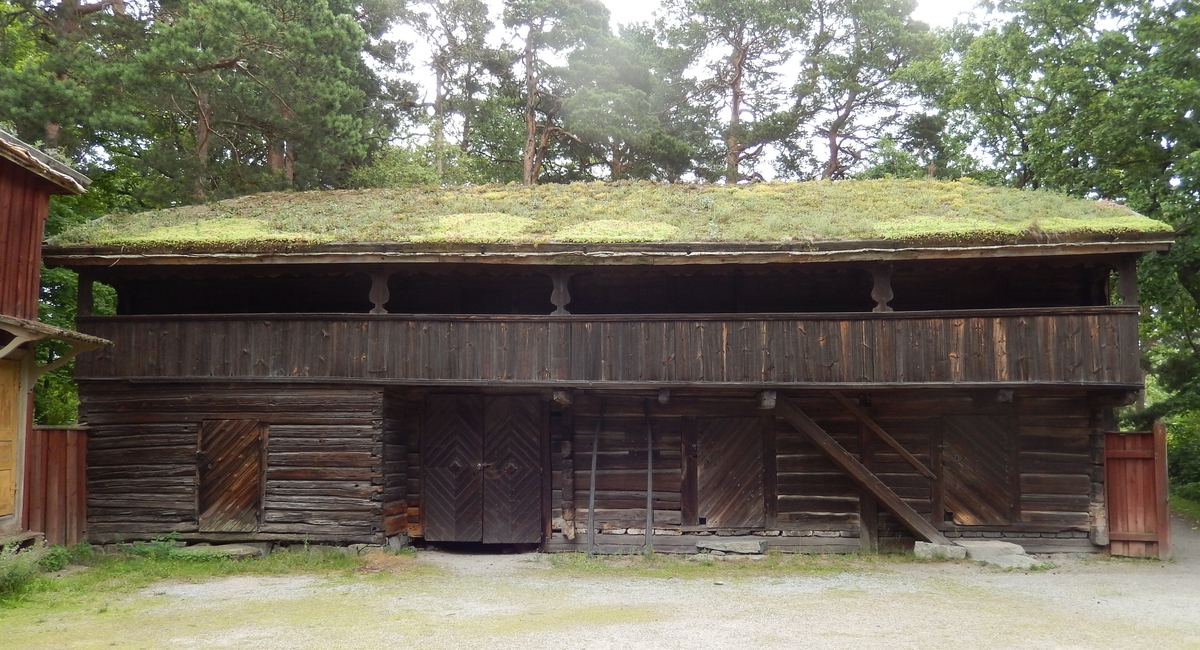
[1077,346]
[24,202]
[55,484]
[324,476]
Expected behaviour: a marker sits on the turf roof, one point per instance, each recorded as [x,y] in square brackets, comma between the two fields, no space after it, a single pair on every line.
[914,211]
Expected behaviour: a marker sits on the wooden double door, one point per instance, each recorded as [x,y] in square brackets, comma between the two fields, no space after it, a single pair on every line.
[482,458]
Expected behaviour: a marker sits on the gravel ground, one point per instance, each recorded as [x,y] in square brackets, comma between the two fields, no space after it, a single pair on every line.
[455,600]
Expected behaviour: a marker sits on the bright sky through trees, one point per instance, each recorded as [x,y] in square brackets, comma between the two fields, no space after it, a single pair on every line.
[937,13]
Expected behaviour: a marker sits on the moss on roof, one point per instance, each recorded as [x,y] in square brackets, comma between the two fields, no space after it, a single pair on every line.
[922,212]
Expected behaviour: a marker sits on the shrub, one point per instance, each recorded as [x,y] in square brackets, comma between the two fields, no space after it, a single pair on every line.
[18,567]
[1183,448]
[1191,492]
[55,558]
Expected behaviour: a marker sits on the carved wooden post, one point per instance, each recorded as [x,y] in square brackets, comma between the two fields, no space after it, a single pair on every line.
[1127,281]
[561,295]
[881,292]
[83,301]
[379,291]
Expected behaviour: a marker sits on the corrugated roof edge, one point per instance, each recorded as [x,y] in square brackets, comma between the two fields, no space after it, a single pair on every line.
[38,162]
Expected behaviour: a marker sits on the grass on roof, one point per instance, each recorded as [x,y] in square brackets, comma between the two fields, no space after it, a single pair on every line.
[916,211]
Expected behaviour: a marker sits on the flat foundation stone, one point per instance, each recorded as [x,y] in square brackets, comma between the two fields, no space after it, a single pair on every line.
[927,551]
[980,550]
[234,551]
[739,546]
[1011,561]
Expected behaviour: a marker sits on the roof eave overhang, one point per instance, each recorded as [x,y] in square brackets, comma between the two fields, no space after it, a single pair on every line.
[38,163]
[666,254]
[29,331]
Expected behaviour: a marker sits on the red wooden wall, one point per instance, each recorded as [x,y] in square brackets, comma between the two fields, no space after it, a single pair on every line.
[56,483]
[24,201]
[1136,480]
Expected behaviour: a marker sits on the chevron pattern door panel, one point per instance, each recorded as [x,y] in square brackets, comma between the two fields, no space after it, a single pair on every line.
[512,500]
[977,469]
[230,473]
[453,450]
[729,472]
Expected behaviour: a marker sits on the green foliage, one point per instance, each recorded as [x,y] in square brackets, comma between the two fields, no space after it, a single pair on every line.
[18,568]
[1189,491]
[906,210]
[1183,449]
[56,558]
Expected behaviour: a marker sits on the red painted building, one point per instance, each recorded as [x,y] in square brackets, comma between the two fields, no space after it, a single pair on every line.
[27,179]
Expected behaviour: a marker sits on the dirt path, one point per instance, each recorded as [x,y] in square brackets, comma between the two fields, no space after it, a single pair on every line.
[448,600]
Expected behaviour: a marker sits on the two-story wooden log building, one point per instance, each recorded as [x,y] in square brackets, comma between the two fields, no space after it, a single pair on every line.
[820,365]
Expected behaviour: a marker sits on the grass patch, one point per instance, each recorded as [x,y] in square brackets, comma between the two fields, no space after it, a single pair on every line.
[113,575]
[916,211]
[1186,507]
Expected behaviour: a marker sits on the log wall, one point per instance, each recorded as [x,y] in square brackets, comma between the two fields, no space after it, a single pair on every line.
[1076,346]
[324,475]
[813,506]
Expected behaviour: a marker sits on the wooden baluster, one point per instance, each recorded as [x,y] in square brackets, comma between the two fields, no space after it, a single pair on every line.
[881,291]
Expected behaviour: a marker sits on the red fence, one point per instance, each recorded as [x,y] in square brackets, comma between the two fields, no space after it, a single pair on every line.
[1136,480]
[56,483]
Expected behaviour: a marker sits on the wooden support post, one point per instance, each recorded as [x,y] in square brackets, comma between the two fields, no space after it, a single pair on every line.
[892,442]
[868,508]
[84,300]
[560,296]
[865,479]
[649,548]
[770,471]
[591,532]
[689,509]
[379,291]
[1127,285]
[568,474]
[1160,482]
[881,289]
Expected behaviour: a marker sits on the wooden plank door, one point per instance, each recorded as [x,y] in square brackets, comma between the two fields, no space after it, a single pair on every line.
[452,493]
[512,478]
[729,473]
[230,458]
[10,393]
[1135,467]
[979,471]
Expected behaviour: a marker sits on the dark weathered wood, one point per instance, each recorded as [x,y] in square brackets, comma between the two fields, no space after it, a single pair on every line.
[649,479]
[689,458]
[867,480]
[868,508]
[230,455]
[730,472]
[883,435]
[1127,286]
[1004,348]
[512,474]
[770,471]
[591,532]
[452,449]
[977,469]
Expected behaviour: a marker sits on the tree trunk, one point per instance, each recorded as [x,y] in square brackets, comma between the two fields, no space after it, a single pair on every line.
[528,164]
[203,117]
[733,144]
[439,119]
